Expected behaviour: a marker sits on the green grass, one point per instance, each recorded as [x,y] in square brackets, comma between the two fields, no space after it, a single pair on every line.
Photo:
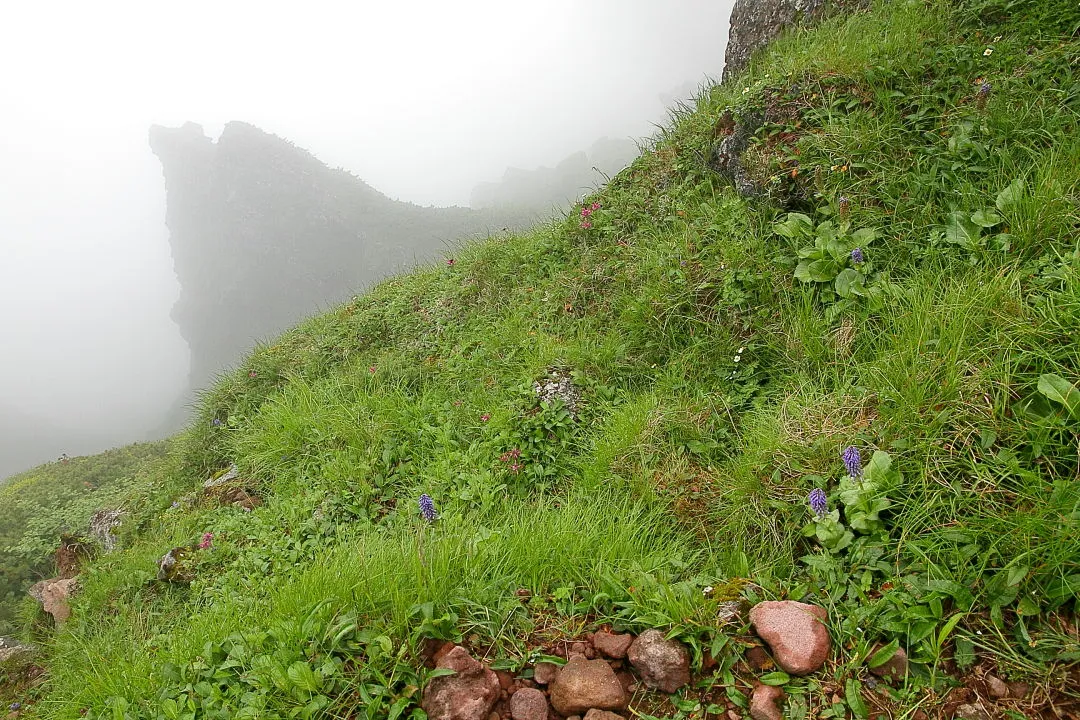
[718,391]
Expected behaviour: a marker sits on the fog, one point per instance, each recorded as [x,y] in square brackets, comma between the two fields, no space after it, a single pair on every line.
[423,100]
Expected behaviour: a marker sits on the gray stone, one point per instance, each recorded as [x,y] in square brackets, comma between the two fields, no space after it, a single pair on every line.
[102,525]
[663,664]
[755,23]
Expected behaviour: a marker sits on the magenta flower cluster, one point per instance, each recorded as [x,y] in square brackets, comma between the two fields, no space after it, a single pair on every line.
[207,541]
[586,211]
[511,459]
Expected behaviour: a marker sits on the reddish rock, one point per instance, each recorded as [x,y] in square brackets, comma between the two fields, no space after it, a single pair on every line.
[583,684]
[528,704]
[895,668]
[663,664]
[506,680]
[1019,690]
[54,595]
[469,694]
[545,672]
[578,648]
[765,703]
[603,715]
[626,679]
[611,644]
[795,632]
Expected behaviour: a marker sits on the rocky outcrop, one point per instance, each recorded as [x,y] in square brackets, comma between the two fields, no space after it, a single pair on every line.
[263,234]
[103,526]
[754,23]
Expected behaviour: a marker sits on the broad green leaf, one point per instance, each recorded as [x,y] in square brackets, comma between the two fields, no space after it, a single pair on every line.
[1061,391]
[1027,606]
[850,283]
[775,678]
[303,677]
[794,226]
[1016,574]
[1009,198]
[986,218]
[883,655]
[853,697]
[959,230]
[864,236]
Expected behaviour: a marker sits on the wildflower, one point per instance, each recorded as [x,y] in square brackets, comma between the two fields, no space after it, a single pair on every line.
[586,225]
[818,503]
[175,505]
[253,374]
[982,96]
[844,206]
[485,417]
[427,508]
[451,262]
[216,422]
[371,369]
[585,212]
[988,52]
[706,590]
[15,707]
[207,541]
[852,461]
[595,206]
[515,468]
[857,256]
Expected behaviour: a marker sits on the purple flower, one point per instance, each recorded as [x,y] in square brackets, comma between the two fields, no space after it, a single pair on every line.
[216,422]
[818,502]
[852,461]
[857,256]
[984,89]
[427,507]
[15,707]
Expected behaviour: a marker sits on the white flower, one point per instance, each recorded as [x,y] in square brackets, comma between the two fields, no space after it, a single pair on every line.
[707,590]
[988,52]
[738,358]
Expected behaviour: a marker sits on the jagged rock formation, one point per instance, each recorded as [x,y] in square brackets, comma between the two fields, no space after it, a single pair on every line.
[754,23]
[263,234]
[545,188]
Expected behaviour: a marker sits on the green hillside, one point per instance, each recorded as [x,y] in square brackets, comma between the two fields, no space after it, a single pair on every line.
[41,505]
[620,417]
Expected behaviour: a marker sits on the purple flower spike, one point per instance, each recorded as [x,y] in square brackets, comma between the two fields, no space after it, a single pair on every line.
[427,507]
[852,461]
[818,503]
[857,256]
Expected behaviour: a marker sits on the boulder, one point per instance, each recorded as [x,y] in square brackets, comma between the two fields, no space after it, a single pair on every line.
[12,650]
[582,685]
[545,672]
[613,645]
[175,566]
[765,703]
[528,704]
[795,632]
[469,694]
[662,663]
[54,595]
[603,715]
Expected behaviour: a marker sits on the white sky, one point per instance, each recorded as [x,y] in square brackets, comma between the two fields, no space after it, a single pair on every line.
[420,99]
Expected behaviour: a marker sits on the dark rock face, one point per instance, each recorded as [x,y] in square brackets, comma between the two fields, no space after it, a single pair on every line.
[754,23]
[263,235]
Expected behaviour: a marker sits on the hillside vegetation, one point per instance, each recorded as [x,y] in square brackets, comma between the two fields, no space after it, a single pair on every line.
[620,417]
[43,504]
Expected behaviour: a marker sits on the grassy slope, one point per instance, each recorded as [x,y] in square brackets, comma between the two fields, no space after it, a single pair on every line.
[719,390]
[58,498]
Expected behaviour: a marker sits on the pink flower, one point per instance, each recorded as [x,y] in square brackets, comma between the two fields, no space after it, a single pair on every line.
[596,206]
[586,225]
[585,212]
[515,468]
[451,262]
[485,417]
[253,374]
[371,369]
[207,541]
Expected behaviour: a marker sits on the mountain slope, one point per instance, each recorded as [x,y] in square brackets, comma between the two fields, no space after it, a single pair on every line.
[817,342]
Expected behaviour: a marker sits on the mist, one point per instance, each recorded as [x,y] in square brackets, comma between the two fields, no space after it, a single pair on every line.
[422,100]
